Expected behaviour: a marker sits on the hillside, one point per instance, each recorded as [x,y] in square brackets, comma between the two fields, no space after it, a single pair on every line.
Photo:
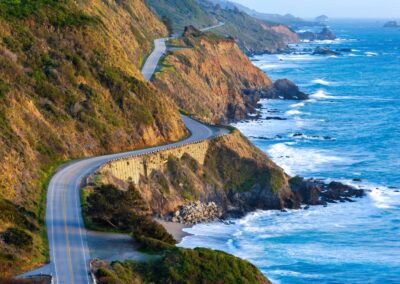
[253,35]
[234,174]
[207,78]
[287,19]
[189,266]
[70,87]
[182,13]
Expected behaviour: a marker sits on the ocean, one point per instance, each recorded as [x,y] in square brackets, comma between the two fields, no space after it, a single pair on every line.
[348,130]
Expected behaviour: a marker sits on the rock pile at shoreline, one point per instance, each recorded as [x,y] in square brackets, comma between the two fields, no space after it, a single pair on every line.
[197,212]
[317,192]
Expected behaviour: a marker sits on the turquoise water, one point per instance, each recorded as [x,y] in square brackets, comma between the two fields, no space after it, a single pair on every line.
[350,129]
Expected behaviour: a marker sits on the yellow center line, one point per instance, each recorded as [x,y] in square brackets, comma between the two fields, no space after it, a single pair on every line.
[71,272]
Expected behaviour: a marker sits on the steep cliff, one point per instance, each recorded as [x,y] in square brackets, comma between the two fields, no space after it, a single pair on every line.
[70,86]
[208,76]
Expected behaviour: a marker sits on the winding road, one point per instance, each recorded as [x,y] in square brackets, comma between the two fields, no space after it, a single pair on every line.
[69,252]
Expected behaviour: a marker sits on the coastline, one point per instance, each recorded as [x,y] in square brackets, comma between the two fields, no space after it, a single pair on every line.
[175,229]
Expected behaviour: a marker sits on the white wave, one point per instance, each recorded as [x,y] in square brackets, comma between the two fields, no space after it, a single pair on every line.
[298,57]
[293,112]
[322,82]
[384,197]
[296,160]
[321,94]
[369,53]
[298,105]
[334,41]
[269,66]
[308,137]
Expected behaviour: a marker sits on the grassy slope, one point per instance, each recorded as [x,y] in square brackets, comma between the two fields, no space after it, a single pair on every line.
[70,86]
[253,35]
[182,13]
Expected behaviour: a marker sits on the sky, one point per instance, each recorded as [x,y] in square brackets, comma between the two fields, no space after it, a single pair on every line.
[332,8]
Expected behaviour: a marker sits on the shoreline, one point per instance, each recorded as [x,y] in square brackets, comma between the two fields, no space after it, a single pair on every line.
[175,229]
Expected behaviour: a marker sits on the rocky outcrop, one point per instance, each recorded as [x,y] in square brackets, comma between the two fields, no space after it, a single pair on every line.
[316,192]
[322,19]
[391,24]
[284,89]
[325,51]
[325,34]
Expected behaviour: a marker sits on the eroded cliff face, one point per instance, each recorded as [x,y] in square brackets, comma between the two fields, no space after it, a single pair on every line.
[229,171]
[70,86]
[208,76]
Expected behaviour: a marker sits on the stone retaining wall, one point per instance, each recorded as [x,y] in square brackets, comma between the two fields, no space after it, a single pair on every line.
[132,168]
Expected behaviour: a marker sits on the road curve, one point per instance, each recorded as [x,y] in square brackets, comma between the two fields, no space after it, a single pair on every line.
[69,252]
[159,50]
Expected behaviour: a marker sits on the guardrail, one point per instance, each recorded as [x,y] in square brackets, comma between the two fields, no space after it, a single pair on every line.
[165,148]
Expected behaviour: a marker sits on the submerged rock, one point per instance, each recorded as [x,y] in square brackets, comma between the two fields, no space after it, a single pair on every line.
[325,51]
[275,118]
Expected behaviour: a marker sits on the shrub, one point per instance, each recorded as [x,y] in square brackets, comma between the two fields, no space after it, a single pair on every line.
[151,244]
[58,13]
[183,266]
[111,208]
[17,237]
[4,88]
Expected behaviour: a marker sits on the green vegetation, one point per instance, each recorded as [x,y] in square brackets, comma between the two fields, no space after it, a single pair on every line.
[225,163]
[297,180]
[58,13]
[17,237]
[181,178]
[182,13]
[252,34]
[189,266]
[70,86]
[107,208]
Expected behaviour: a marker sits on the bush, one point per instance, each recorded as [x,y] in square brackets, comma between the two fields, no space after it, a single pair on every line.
[110,208]
[181,266]
[58,13]
[151,244]
[17,237]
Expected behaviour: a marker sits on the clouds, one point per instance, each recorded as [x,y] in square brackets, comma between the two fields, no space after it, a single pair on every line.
[337,8]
